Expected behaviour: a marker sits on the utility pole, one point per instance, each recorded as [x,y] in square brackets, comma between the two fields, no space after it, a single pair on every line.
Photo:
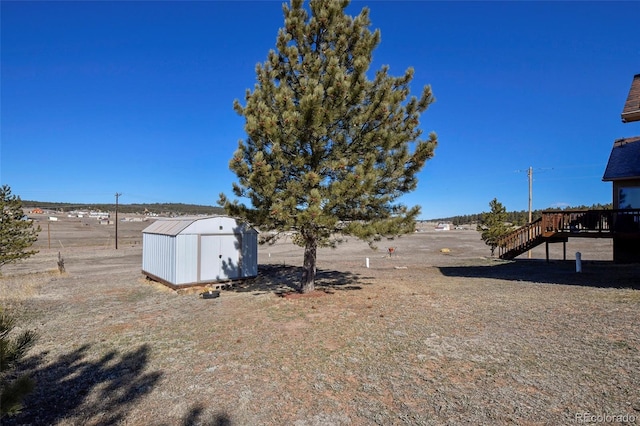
[117,196]
[530,175]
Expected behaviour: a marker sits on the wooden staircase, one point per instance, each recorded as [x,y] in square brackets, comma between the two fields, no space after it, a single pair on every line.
[558,226]
[521,240]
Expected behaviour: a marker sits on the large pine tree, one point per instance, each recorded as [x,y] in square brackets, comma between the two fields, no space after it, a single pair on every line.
[328,151]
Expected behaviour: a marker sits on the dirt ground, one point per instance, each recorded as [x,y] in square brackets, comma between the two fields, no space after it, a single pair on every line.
[438,333]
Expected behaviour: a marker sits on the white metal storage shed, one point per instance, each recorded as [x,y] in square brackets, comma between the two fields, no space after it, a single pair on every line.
[182,252]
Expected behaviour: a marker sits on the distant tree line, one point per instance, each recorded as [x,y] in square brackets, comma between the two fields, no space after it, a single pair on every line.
[517,218]
[173,208]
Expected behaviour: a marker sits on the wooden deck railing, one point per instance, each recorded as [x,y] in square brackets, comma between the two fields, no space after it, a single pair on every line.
[591,221]
[576,223]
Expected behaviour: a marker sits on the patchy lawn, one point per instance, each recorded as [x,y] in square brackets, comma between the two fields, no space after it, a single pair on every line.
[421,337]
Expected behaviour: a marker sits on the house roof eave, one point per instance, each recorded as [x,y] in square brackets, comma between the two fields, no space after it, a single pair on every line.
[631,109]
[631,116]
[610,179]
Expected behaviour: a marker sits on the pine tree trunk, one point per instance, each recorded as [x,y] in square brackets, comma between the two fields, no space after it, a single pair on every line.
[309,273]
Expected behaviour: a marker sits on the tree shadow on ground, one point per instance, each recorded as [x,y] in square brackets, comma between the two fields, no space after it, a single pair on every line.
[599,274]
[197,416]
[285,278]
[100,392]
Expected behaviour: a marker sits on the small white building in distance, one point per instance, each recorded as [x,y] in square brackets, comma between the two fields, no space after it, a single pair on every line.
[183,252]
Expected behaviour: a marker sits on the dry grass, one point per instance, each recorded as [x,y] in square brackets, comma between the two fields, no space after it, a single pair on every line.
[452,339]
[18,288]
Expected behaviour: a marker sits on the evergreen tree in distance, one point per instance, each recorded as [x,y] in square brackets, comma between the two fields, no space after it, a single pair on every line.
[328,151]
[17,235]
[493,224]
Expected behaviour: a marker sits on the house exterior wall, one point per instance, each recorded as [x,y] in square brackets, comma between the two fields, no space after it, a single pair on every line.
[626,194]
[625,174]
[630,187]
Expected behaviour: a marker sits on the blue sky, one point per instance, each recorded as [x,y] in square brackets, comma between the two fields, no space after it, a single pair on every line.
[136,97]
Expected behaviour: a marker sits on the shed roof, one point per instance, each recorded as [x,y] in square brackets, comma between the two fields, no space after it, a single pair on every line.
[631,110]
[175,226]
[168,227]
[624,161]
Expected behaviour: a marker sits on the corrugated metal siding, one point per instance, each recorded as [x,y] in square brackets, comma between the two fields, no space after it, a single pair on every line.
[188,251]
[186,259]
[158,256]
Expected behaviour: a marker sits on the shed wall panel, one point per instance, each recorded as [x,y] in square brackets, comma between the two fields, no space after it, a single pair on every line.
[249,255]
[159,254]
[186,259]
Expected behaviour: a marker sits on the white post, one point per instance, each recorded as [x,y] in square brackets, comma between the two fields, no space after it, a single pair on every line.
[578,261]
[367,262]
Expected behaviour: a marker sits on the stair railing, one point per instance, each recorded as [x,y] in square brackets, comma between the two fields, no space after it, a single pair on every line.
[520,240]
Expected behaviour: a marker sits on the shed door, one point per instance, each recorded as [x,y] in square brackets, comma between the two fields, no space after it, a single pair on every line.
[219,257]
[209,264]
[229,256]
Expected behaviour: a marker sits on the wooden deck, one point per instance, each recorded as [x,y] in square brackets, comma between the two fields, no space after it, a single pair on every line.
[559,226]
